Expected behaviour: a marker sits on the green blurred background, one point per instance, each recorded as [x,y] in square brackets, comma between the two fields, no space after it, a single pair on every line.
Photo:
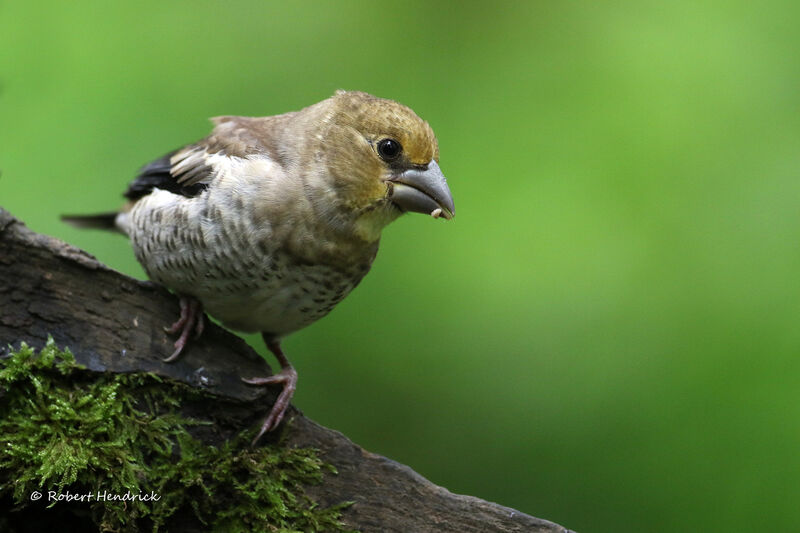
[606,336]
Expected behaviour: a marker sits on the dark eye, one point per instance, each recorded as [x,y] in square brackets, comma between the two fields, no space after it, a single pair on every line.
[389,149]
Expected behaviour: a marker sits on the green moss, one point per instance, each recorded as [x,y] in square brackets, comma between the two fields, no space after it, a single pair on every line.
[67,431]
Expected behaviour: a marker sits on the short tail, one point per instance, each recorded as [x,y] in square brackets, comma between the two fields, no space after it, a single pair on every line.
[106,221]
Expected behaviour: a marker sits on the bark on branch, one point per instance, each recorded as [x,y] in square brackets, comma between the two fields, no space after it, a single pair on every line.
[114,323]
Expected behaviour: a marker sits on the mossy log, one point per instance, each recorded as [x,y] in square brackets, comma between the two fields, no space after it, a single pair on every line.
[114,324]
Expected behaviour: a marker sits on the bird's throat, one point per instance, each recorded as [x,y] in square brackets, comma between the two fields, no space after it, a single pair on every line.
[371,222]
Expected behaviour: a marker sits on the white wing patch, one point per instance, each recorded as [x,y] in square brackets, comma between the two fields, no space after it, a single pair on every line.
[190,166]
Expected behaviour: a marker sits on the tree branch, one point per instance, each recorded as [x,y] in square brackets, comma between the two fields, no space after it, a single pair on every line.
[113,323]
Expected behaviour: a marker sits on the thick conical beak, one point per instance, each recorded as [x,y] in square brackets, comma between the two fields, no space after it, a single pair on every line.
[423,191]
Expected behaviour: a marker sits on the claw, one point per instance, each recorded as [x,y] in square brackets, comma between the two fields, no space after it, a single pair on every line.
[191,319]
[181,322]
[288,377]
[200,325]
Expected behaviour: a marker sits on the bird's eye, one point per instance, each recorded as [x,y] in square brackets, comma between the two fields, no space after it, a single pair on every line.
[389,149]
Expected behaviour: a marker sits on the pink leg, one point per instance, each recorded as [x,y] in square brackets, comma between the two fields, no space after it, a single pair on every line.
[287,376]
[191,320]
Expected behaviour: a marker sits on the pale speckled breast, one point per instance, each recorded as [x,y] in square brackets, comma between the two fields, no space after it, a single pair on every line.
[240,273]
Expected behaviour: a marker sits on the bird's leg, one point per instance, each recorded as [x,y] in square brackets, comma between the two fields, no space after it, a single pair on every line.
[287,376]
[191,320]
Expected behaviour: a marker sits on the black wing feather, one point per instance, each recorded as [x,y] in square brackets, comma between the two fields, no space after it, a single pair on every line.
[157,175]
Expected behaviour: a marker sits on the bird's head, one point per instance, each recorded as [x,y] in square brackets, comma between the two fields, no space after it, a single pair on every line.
[381,160]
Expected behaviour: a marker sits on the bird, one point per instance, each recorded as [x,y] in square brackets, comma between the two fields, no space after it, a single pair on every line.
[269,222]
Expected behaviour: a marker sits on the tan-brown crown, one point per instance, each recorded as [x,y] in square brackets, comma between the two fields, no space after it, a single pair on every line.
[378,118]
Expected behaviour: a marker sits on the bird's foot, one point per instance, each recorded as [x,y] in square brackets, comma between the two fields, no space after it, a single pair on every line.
[191,320]
[288,377]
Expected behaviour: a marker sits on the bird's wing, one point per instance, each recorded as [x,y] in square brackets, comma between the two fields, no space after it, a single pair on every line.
[189,170]
[185,171]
